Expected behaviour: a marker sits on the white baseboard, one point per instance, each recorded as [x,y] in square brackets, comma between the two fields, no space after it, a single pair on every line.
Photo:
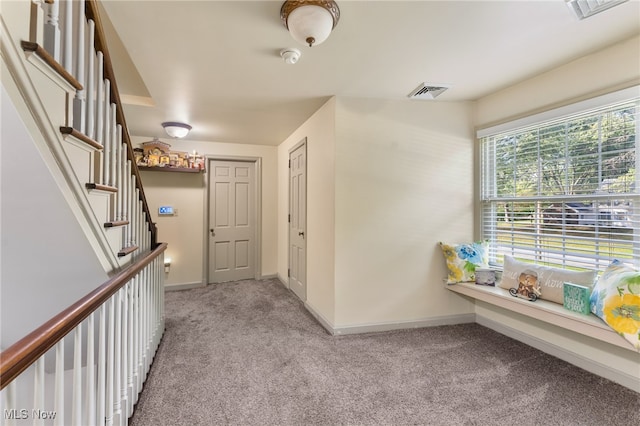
[269,277]
[403,325]
[325,323]
[183,286]
[282,281]
[626,380]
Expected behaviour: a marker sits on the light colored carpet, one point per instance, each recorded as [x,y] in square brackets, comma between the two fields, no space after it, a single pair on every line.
[248,353]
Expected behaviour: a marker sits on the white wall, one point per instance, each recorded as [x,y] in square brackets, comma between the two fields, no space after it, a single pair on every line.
[46,261]
[404,182]
[184,233]
[319,130]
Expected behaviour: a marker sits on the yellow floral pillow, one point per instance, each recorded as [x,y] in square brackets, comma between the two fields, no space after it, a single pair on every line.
[463,259]
[616,300]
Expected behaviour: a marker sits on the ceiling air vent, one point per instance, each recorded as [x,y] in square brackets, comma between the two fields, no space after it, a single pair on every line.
[585,8]
[428,91]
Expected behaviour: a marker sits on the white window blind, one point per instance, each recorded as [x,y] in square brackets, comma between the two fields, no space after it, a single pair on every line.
[564,191]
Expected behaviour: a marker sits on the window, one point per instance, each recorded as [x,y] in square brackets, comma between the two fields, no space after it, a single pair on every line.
[561,189]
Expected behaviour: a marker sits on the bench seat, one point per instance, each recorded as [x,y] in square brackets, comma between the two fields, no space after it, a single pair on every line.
[553,313]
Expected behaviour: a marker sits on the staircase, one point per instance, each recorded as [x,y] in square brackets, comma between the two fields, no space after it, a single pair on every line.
[57,72]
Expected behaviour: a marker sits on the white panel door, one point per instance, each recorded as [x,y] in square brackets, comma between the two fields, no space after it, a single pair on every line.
[232,219]
[298,221]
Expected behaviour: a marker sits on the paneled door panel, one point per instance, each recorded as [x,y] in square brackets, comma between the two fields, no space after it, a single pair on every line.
[232,218]
[297,221]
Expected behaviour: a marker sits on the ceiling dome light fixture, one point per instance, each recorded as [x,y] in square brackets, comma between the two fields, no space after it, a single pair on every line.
[310,21]
[175,129]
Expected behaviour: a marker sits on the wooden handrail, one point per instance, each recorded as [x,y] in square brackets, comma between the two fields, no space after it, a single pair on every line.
[19,356]
[91,11]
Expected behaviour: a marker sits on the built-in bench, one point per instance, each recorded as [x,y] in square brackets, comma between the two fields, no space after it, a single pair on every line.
[553,313]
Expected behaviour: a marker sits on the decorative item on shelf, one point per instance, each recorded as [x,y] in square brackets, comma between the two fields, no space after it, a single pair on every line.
[485,277]
[310,21]
[528,287]
[156,154]
[576,297]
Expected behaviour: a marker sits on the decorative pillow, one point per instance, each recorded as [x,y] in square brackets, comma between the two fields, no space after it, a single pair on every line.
[616,300]
[550,280]
[463,259]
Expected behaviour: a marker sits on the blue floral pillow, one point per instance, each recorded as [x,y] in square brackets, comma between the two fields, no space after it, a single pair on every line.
[616,300]
[463,259]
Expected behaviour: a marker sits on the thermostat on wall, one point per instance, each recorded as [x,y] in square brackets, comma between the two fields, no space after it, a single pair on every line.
[166,211]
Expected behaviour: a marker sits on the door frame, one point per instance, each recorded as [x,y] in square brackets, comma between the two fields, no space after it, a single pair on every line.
[257,169]
[303,142]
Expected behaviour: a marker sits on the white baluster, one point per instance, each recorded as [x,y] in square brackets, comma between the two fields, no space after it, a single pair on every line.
[130,336]
[59,385]
[134,338]
[99,132]
[110,362]
[91,75]
[106,138]
[117,354]
[66,12]
[9,401]
[79,100]
[76,403]
[38,389]
[113,146]
[102,366]
[90,393]
[120,167]
[125,353]
[51,33]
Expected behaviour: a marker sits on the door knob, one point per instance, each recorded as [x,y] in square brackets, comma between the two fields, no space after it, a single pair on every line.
[213,233]
[301,233]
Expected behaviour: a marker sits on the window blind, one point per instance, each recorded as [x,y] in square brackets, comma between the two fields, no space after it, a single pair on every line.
[564,191]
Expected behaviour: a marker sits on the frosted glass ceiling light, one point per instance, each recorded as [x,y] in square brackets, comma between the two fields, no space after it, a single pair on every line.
[310,21]
[175,129]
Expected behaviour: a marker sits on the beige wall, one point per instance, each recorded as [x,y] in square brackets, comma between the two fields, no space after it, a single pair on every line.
[605,71]
[319,130]
[184,233]
[614,68]
[403,183]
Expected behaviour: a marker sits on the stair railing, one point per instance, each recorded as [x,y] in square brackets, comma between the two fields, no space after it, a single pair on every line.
[87,365]
[72,41]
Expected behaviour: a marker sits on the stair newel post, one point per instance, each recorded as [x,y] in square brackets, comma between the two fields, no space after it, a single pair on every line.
[51,35]
[120,169]
[66,12]
[90,383]
[91,75]
[79,100]
[106,138]
[76,402]
[58,402]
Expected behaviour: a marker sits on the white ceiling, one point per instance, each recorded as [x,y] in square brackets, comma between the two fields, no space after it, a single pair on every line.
[216,64]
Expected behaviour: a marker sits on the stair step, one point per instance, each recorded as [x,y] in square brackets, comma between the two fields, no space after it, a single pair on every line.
[81,137]
[98,187]
[116,223]
[127,250]
[29,46]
